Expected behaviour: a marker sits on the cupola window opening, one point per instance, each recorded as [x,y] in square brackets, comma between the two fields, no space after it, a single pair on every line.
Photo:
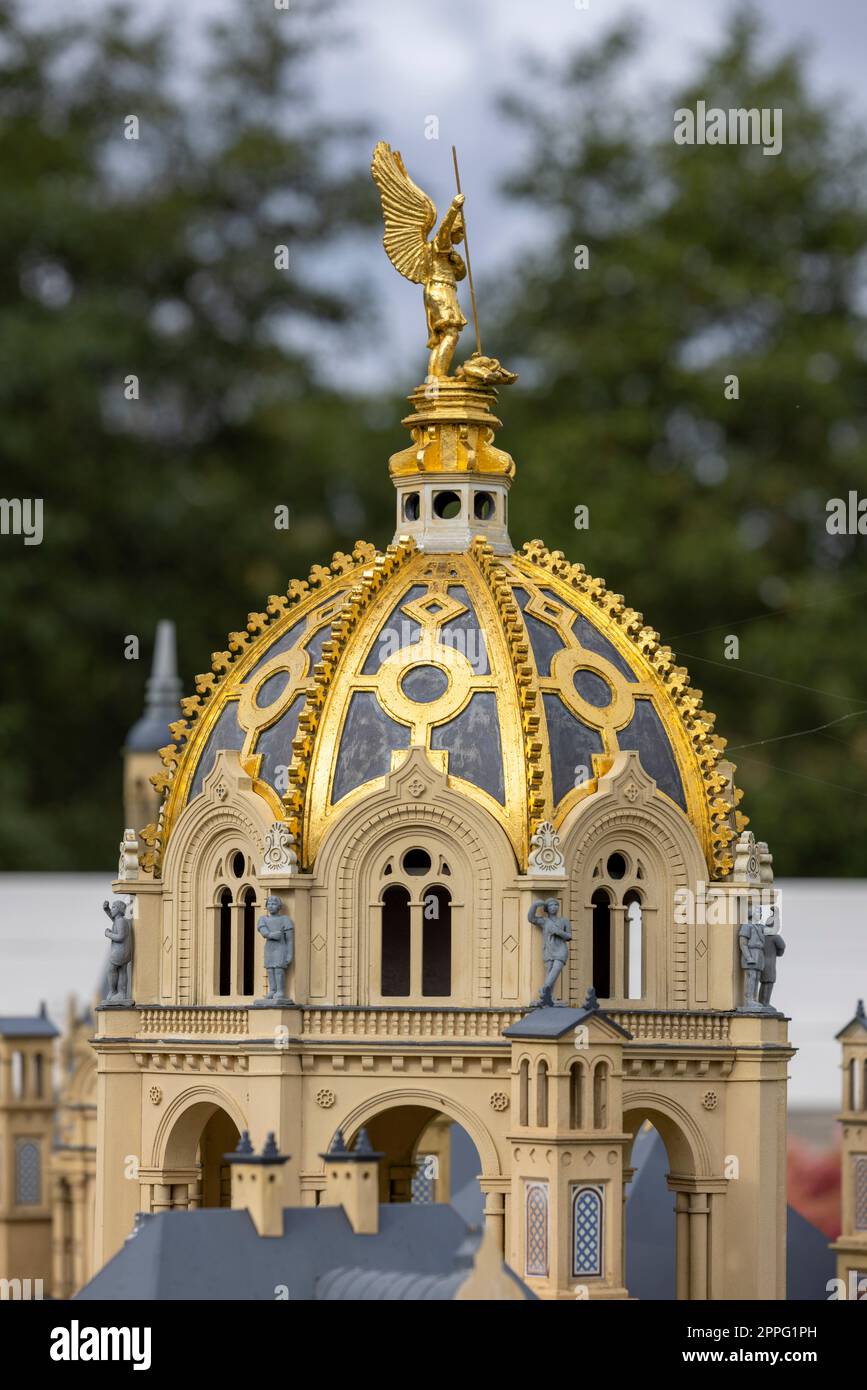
[234,933]
[618,912]
[415,935]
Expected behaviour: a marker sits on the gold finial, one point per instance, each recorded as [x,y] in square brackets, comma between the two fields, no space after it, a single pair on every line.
[410,216]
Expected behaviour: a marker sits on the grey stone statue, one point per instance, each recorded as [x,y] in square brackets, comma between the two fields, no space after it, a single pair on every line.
[556,935]
[760,944]
[774,947]
[120,952]
[279,933]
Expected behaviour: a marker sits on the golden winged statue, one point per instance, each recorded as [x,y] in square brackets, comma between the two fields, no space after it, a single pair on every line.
[410,217]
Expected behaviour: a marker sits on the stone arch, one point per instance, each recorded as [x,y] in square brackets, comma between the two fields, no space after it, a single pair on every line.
[350,845]
[180,1127]
[368,1109]
[687,1148]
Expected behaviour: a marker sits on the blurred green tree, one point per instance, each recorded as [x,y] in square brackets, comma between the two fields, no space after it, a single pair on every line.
[707,506]
[155,257]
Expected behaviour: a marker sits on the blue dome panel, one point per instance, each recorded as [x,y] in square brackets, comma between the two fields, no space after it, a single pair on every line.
[646,735]
[592,639]
[464,633]
[545,641]
[397,631]
[573,744]
[472,741]
[275,745]
[226,733]
[369,738]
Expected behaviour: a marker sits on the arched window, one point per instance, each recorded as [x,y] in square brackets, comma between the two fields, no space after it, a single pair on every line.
[586,1232]
[542,1095]
[600,1096]
[248,955]
[17,1075]
[634,953]
[851,1101]
[224,944]
[576,1095]
[436,950]
[601,943]
[39,1076]
[524,1092]
[619,910]
[396,943]
[28,1173]
[536,1229]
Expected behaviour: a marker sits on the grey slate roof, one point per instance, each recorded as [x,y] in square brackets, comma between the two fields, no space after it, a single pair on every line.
[37,1026]
[858,1017]
[421,1252]
[556,1021]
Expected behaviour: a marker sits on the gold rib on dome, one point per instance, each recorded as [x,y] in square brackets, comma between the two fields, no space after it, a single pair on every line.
[228,668]
[698,749]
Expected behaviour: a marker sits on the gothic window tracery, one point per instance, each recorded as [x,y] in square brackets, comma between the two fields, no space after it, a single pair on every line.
[234,928]
[618,913]
[415,956]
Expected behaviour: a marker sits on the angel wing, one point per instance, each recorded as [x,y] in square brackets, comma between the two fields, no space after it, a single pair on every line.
[408,214]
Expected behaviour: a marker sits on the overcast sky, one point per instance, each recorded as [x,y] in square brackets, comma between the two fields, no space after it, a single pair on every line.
[408,59]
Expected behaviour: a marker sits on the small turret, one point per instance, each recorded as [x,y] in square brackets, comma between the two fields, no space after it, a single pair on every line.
[151,732]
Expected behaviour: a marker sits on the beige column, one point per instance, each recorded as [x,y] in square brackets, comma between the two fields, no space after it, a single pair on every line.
[628,1175]
[698,1236]
[495,1209]
[416,938]
[681,1209]
[162,1197]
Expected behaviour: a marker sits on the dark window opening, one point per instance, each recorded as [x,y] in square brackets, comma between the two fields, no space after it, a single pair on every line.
[416,861]
[483,506]
[249,941]
[239,864]
[436,951]
[524,1094]
[601,943]
[616,866]
[576,1098]
[446,505]
[395,942]
[542,1095]
[225,950]
[411,507]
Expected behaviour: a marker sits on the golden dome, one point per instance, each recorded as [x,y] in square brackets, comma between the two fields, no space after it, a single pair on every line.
[519,674]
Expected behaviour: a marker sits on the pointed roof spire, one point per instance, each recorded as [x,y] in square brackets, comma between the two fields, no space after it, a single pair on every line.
[162,694]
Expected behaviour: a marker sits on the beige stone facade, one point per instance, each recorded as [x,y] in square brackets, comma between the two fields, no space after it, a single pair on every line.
[851,1246]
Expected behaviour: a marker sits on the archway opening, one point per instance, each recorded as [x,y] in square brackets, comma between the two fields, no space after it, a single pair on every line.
[428,1158]
[668,1233]
[219,1137]
[198,1144]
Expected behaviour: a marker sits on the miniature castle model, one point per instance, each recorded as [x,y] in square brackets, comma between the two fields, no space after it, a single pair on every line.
[416,751]
[851,1244]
